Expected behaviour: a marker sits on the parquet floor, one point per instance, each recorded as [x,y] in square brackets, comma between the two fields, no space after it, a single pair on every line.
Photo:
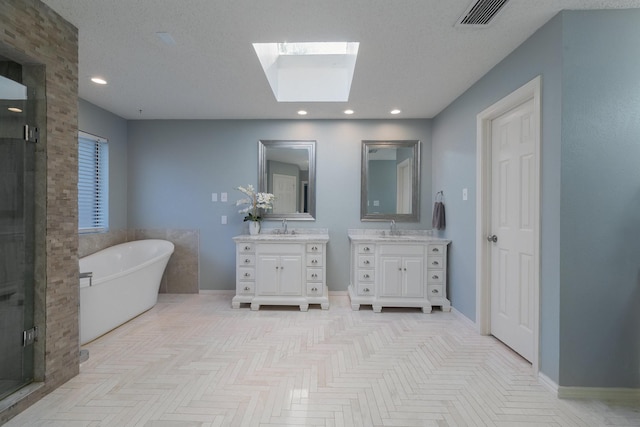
[192,361]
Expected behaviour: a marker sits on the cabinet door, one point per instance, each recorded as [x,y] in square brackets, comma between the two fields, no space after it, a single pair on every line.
[391,278]
[291,275]
[413,276]
[268,275]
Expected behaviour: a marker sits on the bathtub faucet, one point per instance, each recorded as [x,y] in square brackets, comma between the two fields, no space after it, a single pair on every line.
[89,275]
[284,226]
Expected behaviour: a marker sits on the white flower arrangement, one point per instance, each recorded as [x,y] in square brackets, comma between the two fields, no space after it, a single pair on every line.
[254,202]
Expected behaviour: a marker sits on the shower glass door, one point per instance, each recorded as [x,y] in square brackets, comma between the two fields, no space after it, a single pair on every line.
[17,199]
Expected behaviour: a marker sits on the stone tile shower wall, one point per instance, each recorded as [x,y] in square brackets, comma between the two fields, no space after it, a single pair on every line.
[181,275]
[32,33]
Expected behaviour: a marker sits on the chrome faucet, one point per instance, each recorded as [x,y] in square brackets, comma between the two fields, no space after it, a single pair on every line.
[392,228]
[284,226]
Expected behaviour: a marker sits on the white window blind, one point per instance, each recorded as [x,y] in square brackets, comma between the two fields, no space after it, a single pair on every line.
[93,183]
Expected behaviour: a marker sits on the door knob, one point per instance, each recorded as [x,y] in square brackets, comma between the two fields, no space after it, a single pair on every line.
[493,238]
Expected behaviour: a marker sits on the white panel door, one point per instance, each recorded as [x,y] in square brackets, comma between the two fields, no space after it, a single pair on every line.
[512,252]
[285,191]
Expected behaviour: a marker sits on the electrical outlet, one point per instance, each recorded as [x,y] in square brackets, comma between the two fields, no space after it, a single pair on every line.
[223,219]
[214,197]
[223,197]
[465,194]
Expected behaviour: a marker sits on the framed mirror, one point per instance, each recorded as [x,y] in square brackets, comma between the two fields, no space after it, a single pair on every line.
[287,169]
[390,181]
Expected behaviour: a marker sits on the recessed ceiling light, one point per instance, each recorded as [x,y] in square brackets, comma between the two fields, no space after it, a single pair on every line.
[99,80]
[396,111]
[302,113]
[14,109]
[348,112]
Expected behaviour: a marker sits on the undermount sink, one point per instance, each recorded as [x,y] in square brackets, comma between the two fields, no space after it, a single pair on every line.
[387,235]
[292,234]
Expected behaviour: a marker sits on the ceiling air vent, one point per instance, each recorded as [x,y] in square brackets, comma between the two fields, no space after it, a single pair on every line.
[480,13]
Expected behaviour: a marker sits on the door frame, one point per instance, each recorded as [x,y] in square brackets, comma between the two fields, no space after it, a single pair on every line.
[531,90]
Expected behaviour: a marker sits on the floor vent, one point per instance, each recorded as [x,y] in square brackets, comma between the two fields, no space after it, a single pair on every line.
[480,13]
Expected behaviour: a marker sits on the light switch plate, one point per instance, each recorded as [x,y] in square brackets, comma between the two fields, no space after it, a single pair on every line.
[223,219]
[465,194]
[223,197]
[214,197]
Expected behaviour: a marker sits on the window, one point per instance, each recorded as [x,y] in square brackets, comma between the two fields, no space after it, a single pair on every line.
[93,183]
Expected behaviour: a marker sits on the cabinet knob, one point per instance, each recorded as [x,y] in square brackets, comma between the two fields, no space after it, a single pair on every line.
[246,248]
[435,263]
[247,261]
[314,248]
[435,250]
[366,276]
[314,261]
[314,275]
[366,249]
[435,277]
[399,268]
[366,262]
[434,291]
[314,289]
[246,275]
[365,290]
[246,288]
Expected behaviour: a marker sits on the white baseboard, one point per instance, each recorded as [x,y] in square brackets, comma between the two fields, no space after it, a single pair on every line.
[217,292]
[548,383]
[464,318]
[599,393]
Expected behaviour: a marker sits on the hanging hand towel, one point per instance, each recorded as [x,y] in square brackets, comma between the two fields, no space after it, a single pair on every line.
[438,221]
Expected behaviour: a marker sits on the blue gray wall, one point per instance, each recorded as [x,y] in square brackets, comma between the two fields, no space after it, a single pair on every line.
[454,168]
[96,121]
[174,166]
[600,211]
[590,189]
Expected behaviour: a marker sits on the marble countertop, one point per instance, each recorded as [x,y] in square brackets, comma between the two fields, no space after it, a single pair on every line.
[377,235]
[293,235]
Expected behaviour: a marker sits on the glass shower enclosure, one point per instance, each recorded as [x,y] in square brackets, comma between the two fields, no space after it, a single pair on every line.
[17,233]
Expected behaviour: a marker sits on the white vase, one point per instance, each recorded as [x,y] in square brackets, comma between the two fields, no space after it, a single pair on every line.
[254,227]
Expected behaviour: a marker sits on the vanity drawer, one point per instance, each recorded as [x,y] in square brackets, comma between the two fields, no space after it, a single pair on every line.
[365,290]
[436,261]
[436,249]
[435,276]
[314,289]
[246,288]
[435,291]
[245,273]
[366,248]
[314,248]
[365,261]
[314,261]
[246,259]
[365,276]
[314,275]
[245,248]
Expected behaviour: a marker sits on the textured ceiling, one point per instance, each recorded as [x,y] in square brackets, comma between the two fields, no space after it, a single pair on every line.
[411,56]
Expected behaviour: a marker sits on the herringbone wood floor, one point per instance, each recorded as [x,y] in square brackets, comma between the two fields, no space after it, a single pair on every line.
[192,361]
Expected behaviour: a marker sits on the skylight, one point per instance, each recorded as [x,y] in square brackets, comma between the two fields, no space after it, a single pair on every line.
[308,72]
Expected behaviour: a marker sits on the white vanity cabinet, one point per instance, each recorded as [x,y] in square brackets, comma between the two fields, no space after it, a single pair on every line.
[400,270]
[281,269]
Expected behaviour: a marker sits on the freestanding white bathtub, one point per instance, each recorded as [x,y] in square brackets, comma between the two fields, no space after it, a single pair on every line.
[125,282]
